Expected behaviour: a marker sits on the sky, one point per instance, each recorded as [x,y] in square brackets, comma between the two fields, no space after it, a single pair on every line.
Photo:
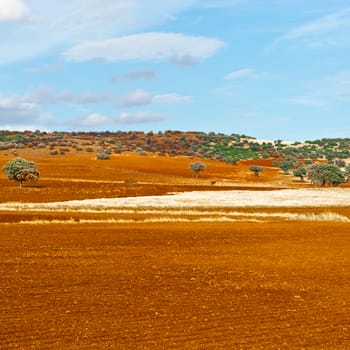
[272,69]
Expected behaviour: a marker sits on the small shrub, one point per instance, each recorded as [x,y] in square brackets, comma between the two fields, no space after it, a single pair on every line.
[142,152]
[256,169]
[196,168]
[102,156]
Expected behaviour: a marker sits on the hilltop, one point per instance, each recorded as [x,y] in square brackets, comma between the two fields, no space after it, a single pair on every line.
[226,148]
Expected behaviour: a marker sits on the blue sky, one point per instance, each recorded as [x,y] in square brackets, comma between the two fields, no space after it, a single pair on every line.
[274,69]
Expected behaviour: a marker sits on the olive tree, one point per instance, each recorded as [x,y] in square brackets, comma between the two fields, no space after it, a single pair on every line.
[256,169]
[300,172]
[286,165]
[21,170]
[196,168]
[325,174]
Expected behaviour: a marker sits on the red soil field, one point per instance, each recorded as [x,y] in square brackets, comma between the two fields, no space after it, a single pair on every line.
[81,176]
[175,285]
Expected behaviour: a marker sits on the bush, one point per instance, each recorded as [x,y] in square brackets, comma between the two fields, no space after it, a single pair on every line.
[21,170]
[196,168]
[141,152]
[286,165]
[103,156]
[300,172]
[325,174]
[256,169]
[340,163]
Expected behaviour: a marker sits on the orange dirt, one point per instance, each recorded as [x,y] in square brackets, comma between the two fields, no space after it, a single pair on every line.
[240,285]
[175,286]
[80,176]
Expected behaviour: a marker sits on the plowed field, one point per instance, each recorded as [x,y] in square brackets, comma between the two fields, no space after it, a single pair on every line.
[112,275]
[175,286]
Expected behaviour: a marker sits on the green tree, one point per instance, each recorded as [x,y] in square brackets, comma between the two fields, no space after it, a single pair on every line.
[325,174]
[300,172]
[196,168]
[286,165]
[340,163]
[256,169]
[21,170]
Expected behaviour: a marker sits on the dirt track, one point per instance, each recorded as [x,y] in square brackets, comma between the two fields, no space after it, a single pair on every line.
[175,286]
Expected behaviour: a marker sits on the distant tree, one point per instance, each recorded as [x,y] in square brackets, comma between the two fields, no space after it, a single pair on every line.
[340,163]
[229,160]
[330,158]
[286,165]
[196,168]
[21,170]
[256,169]
[300,172]
[102,156]
[325,174]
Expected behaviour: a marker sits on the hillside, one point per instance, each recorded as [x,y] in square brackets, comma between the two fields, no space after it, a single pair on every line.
[226,148]
[131,251]
[152,163]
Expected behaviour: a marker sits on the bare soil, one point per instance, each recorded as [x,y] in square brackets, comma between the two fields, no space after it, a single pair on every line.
[75,279]
[175,286]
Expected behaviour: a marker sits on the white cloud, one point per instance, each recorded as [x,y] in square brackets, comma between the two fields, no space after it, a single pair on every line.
[306,101]
[146,47]
[46,68]
[241,73]
[172,98]
[135,75]
[329,30]
[135,98]
[184,61]
[142,97]
[97,121]
[13,10]
[91,120]
[23,127]
[324,92]
[140,117]
[58,24]
[45,95]
[16,110]
[248,73]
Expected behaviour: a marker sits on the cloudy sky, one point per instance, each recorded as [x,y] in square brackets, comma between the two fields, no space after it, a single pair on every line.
[273,69]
